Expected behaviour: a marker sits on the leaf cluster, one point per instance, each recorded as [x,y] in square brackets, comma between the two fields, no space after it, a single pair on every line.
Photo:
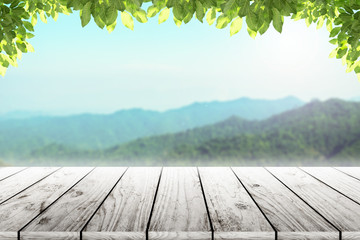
[342,19]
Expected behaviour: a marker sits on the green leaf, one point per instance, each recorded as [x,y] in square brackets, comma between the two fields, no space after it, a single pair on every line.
[2,70]
[43,17]
[21,46]
[179,11]
[328,25]
[29,35]
[252,21]
[278,20]
[127,20]
[222,21]
[34,19]
[211,16]
[333,53]
[85,14]
[99,21]
[111,15]
[236,25]
[251,33]
[152,11]
[177,22]
[55,16]
[244,8]
[264,27]
[333,41]
[230,5]
[29,47]
[119,5]
[320,23]
[200,12]
[28,26]
[335,31]
[341,52]
[111,27]
[164,15]
[140,15]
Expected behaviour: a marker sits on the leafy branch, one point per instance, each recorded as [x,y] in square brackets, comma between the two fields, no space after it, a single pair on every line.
[341,17]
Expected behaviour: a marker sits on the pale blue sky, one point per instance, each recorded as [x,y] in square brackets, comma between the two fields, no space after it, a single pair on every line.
[162,66]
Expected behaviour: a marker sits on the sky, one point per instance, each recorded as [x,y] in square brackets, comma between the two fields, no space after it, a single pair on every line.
[160,67]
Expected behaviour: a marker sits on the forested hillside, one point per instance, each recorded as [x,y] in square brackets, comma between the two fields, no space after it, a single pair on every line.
[318,131]
[20,137]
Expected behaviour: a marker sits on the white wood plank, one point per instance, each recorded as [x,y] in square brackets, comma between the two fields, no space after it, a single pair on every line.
[22,180]
[66,217]
[290,216]
[179,211]
[126,211]
[343,183]
[352,171]
[5,172]
[233,213]
[19,210]
[338,209]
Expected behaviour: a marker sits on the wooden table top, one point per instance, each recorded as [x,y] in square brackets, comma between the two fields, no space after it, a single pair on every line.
[238,203]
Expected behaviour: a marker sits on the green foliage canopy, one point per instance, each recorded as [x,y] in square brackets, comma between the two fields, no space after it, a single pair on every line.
[341,17]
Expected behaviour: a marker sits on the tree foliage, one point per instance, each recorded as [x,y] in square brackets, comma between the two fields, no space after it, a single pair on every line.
[341,17]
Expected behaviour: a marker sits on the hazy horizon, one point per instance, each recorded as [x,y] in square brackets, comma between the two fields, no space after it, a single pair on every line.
[69,113]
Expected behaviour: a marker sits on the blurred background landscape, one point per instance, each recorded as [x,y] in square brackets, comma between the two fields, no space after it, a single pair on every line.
[239,132]
[186,96]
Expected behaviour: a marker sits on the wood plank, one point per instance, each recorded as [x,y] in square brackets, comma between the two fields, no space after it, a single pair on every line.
[338,209]
[6,172]
[67,216]
[290,216]
[19,210]
[22,180]
[233,213]
[343,183]
[352,171]
[179,210]
[126,211]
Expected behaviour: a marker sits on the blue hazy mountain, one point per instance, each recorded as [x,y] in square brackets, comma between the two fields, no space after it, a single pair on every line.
[20,136]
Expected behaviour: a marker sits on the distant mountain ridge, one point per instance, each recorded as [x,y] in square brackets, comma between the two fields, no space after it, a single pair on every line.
[19,137]
[320,131]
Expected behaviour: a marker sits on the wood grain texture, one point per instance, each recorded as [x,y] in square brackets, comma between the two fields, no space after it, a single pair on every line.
[179,210]
[22,180]
[338,209]
[19,210]
[343,183]
[233,213]
[67,216]
[5,172]
[290,216]
[126,211]
[352,171]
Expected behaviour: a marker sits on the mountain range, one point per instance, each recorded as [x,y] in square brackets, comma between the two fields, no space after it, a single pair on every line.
[323,132]
[21,137]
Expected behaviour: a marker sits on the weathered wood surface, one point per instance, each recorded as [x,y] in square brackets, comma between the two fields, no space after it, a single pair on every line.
[6,172]
[233,213]
[73,210]
[22,180]
[19,210]
[351,171]
[126,211]
[179,203]
[179,209]
[342,212]
[339,181]
[290,216]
